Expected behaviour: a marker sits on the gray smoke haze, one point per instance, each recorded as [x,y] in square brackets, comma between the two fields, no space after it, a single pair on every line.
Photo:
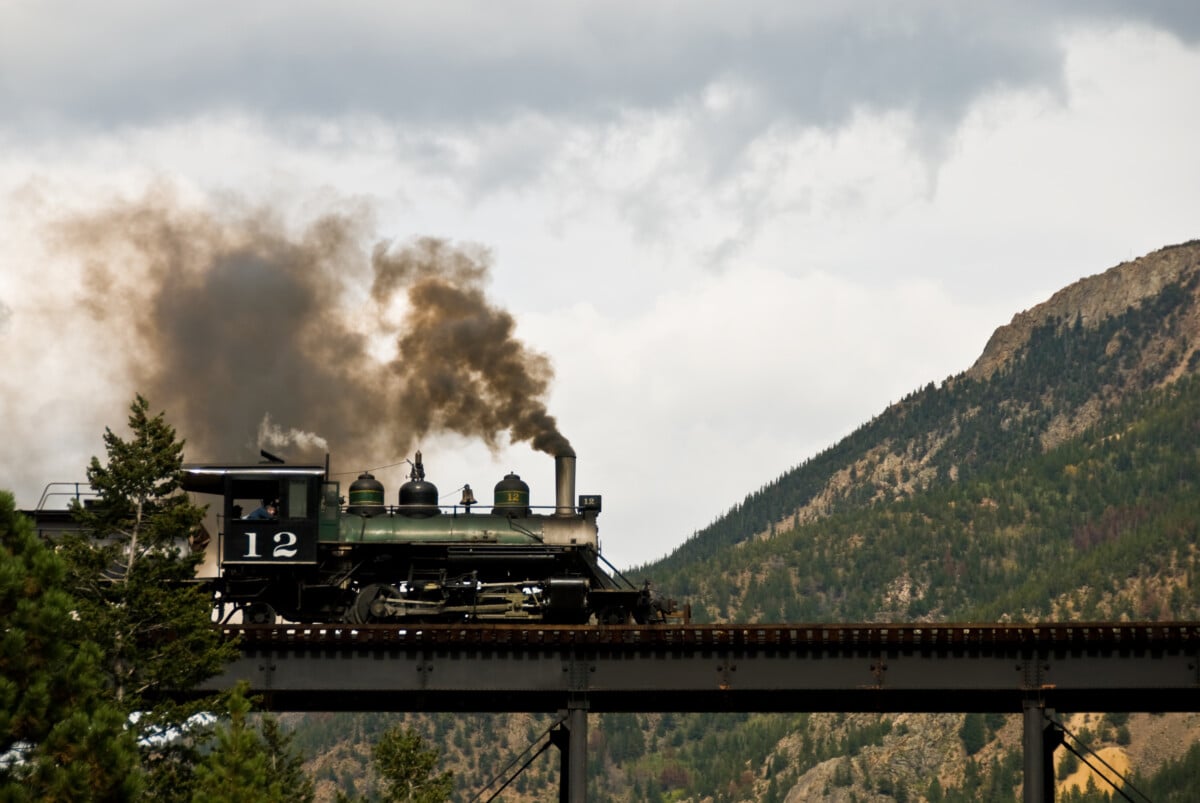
[252,337]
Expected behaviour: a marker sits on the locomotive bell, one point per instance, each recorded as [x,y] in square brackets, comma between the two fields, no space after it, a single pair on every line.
[418,498]
[512,497]
[468,498]
[366,496]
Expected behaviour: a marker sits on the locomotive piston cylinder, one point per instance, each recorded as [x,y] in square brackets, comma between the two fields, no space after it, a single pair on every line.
[564,485]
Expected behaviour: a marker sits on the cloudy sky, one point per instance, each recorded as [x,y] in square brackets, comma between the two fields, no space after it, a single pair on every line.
[737,231]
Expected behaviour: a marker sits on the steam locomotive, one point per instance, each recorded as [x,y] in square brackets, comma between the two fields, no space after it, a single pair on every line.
[311,559]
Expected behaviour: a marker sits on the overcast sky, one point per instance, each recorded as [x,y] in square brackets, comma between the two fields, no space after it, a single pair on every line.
[737,230]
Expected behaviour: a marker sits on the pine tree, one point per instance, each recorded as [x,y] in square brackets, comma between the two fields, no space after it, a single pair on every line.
[59,738]
[284,763]
[236,769]
[972,733]
[130,572]
[407,768]
[246,766]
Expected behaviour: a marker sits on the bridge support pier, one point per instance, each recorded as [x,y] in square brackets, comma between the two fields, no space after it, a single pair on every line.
[571,740]
[1041,738]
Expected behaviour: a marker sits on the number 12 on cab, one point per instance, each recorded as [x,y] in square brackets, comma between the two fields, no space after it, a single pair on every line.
[249,541]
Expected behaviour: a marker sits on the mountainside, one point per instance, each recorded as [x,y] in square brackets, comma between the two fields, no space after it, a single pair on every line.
[1056,478]
[1046,377]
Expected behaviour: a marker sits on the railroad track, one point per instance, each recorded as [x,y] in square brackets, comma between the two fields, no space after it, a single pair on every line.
[807,637]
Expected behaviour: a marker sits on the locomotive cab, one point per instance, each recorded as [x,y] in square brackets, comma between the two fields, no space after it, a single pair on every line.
[278,538]
[288,535]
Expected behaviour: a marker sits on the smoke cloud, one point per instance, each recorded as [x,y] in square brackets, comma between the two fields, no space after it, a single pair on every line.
[275,436]
[251,334]
[459,366]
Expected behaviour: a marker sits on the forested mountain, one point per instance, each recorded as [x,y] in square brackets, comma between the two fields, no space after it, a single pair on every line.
[1046,377]
[1057,478]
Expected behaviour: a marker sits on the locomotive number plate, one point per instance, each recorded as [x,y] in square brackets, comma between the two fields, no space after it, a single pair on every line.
[270,542]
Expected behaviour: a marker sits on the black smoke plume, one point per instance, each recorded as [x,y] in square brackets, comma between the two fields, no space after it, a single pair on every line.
[252,336]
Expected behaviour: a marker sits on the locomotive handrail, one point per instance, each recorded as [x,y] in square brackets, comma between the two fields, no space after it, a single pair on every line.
[525,531]
[615,570]
[77,494]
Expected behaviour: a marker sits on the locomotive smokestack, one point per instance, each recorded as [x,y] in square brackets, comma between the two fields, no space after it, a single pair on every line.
[564,482]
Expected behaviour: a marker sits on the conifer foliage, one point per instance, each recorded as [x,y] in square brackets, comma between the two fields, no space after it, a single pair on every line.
[102,630]
[60,738]
[132,570]
[408,768]
[246,766]
[131,574]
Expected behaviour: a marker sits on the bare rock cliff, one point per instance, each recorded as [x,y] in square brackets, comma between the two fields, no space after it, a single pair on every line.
[1093,299]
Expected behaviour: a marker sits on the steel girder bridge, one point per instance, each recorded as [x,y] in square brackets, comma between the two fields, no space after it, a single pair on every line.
[1034,669]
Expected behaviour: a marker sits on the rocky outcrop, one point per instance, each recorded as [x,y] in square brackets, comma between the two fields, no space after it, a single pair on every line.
[1092,299]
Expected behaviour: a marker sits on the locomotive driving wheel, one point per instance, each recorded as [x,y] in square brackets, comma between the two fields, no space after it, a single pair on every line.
[613,615]
[259,613]
[371,603]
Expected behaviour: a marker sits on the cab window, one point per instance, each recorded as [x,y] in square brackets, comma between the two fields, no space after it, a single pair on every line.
[295,504]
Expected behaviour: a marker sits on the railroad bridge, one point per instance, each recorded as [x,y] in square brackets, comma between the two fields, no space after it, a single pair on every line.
[1034,669]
